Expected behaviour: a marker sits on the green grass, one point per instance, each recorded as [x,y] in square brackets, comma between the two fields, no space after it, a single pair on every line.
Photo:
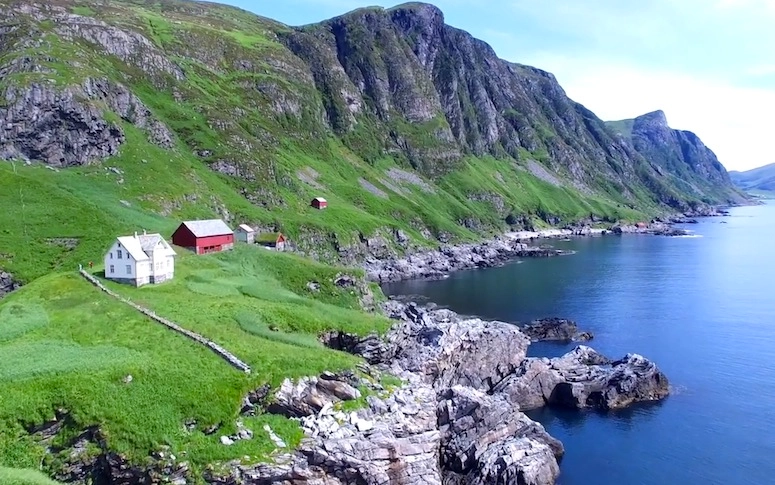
[12,476]
[67,345]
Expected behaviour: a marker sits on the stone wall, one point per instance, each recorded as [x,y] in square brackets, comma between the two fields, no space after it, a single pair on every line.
[228,356]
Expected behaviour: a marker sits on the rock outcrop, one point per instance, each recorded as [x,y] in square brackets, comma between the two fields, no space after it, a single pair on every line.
[584,378]
[554,329]
[7,283]
[458,417]
[64,128]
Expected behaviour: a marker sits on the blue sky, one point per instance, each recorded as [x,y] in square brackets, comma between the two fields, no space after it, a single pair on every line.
[709,64]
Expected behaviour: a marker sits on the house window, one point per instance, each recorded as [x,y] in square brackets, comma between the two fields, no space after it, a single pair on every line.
[111,255]
[120,256]
[129,269]
[112,269]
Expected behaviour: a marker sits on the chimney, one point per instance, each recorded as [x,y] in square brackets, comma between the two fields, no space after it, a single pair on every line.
[144,233]
[135,234]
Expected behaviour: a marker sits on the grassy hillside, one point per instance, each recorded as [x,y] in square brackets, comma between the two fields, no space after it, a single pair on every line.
[248,141]
[757,179]
[65,345]
[10,476]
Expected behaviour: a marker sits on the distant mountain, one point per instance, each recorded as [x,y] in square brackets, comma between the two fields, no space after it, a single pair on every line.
[678,156]
[762,178]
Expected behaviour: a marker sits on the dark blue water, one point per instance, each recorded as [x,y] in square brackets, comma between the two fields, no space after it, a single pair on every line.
[703,308]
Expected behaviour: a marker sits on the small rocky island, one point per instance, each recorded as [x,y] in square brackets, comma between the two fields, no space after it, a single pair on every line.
[554,329]
[457,419]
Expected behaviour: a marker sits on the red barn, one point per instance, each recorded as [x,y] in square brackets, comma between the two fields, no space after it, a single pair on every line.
[319,203]
[204,237]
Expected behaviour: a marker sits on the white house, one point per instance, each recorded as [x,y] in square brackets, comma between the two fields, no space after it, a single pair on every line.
[139,260]
[245,233]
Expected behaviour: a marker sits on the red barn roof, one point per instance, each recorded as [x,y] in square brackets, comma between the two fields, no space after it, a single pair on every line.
[206,228]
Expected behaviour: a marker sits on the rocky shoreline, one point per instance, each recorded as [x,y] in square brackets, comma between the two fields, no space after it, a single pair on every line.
[458,417]
[439,263]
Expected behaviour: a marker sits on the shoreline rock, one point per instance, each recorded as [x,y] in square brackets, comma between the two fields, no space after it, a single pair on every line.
[437,264]
[458,418]
[554,329]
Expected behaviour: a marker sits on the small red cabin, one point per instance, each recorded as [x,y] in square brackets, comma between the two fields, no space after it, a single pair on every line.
[274,240]
[319,203]
[204,237]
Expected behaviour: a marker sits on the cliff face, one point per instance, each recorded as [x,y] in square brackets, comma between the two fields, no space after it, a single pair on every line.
[409,126]
[439,93]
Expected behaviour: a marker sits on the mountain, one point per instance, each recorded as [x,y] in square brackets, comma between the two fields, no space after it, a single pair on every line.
[762,178]
[127,114]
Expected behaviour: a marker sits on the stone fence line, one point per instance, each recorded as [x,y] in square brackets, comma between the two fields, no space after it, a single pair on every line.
[228,356]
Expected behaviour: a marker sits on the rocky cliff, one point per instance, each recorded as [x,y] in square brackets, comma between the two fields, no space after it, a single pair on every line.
[678,155]
[403,122]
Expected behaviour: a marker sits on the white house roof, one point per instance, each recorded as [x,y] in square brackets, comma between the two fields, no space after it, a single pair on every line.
[320,199]
[246,228]
[210,227]
[141,247]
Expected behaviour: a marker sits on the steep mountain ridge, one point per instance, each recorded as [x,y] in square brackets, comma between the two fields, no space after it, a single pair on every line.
[676,154]
[414,130]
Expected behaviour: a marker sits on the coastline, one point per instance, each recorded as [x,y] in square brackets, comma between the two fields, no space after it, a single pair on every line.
[458,415]
[439,263]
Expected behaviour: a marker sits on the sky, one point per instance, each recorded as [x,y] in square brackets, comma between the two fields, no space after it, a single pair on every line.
[708,64]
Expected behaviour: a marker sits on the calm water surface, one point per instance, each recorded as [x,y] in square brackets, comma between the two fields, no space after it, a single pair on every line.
[702,307]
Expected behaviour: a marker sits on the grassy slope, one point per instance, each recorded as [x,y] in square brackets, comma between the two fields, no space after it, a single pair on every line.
[66,345]
[10,476]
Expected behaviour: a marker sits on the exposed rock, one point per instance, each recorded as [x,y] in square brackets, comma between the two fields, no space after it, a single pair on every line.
[7,283]
[485,439]
[372,348]
[451,351]
[309,395]
[584,378]
[559,329]
[64,128]
[255,399]
[56,127]
[591,380]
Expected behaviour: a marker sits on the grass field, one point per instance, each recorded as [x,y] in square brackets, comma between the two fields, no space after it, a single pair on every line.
[11,476]
[67,345]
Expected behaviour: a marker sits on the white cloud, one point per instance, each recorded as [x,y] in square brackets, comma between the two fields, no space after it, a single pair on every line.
[733,121]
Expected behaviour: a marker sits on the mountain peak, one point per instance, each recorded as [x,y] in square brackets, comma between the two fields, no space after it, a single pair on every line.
[655,119]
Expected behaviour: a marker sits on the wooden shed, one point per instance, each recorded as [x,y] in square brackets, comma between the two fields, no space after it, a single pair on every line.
[202,237]
[275,240]
[245,234]
[319,203]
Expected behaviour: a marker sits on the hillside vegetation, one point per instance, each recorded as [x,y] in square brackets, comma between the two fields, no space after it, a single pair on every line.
[149,112]
[67,348]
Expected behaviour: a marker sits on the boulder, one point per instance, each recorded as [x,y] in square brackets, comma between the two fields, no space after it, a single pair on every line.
[485,439]
[592,381]
[309,395]
[554,329]
[583,378]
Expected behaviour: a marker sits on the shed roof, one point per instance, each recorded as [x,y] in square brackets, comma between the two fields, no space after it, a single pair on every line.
[210,227]
[141,247]
[320,199]
[246,228]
